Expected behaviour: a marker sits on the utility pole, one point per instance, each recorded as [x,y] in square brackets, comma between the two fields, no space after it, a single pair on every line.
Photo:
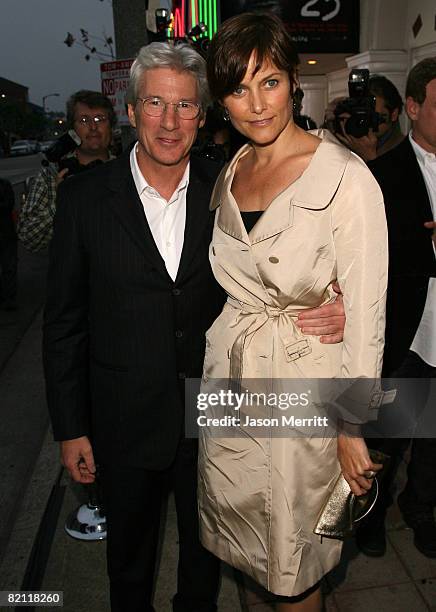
[129,27]
[130,35]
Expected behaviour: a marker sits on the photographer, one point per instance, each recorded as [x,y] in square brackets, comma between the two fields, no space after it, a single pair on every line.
[91,115]
[386,132]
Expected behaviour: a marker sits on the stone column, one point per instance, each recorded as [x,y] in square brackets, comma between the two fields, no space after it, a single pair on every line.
[315,97]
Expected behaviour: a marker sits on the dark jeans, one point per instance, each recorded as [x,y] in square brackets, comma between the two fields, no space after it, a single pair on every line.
[133,500]
[420,491]
[8,267]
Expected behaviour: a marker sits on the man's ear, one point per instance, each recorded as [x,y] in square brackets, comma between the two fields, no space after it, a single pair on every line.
[131,113]
[394,115]
[412,108]
[202,119]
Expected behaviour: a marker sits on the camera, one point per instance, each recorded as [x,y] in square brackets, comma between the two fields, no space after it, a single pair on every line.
[360,106]
[75,167]
[65,144]
[58,154]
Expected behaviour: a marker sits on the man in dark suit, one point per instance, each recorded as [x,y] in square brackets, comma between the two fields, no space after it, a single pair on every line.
[8,248]
[130,296]
[407,176]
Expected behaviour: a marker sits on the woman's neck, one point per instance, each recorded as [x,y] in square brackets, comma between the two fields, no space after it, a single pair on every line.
[290,142]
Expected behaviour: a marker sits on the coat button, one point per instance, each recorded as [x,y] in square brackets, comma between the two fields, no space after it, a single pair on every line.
[274,259]
[179,333]
[182,375]
[176,292]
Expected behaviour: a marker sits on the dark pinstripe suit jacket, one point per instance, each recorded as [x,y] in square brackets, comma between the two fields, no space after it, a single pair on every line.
[119,335]
[411,256]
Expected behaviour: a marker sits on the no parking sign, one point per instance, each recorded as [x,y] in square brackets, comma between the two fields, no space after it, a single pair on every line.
[114,83]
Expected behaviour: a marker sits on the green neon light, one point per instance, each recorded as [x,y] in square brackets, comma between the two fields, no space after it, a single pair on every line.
[210,20]
[215,19]
[207,12]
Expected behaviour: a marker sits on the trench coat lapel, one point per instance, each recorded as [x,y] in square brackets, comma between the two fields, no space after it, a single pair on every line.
[125,203]
[315,190]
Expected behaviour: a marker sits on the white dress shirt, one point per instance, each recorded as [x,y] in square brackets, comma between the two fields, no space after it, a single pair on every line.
[166,218]
[424,342]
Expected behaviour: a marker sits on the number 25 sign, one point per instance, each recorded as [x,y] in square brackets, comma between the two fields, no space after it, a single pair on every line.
[308,9]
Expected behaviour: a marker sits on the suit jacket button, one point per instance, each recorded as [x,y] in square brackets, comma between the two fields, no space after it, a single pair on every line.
[176,292]
[179,333]
[182,375]
[274,259]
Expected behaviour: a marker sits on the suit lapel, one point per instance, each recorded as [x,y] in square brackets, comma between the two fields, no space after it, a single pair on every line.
[197,215]
[127,206]
[417,186]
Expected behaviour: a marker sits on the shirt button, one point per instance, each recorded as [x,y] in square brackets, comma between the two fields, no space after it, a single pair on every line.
[176,292]
[179,333]
[274,259]
[168,244]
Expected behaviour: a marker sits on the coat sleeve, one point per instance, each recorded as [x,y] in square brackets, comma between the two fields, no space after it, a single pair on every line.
[361,245]
[65,331]
[35,222]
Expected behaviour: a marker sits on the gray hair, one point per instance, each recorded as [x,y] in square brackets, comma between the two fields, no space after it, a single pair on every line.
[180,57]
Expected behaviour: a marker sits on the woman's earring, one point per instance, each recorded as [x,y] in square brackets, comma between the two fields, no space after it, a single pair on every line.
[226,115]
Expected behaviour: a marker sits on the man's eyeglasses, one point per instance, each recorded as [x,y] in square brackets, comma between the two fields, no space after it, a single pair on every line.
[155,107]
[87,120]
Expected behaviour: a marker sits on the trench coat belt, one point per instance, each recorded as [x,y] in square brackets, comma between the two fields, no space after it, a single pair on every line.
[283,318]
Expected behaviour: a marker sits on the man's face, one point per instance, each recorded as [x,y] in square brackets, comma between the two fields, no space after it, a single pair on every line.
[95,135]
[424,118]
[165,140]
[389,116]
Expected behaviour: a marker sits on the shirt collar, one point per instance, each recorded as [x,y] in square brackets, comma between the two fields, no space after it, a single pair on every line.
[143,186]
[424,157]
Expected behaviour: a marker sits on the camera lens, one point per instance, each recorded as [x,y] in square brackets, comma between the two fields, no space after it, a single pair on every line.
[357,125]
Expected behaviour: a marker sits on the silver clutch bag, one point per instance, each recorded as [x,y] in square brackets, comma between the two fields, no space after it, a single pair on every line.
[342,511]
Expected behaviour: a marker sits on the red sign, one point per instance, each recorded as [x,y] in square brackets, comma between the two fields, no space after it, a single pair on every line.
[114,83]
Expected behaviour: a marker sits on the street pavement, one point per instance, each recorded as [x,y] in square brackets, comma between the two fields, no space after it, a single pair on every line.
[36,497]
[17,169]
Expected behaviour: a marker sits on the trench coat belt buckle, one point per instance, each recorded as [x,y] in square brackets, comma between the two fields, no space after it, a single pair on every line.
[294,348]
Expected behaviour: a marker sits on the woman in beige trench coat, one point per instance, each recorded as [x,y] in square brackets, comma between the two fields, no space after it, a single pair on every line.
[295,212]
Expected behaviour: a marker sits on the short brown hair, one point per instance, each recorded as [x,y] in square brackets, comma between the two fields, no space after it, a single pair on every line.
[93,99]
[419,77]
[238,37]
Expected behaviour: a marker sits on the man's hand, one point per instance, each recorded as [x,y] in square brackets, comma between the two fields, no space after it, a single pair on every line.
[365,146]
[356,465]
[78,458]
[327,321]
[431,225]
[60,176]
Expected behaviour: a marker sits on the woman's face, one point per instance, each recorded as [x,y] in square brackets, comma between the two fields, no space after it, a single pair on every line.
[261,106]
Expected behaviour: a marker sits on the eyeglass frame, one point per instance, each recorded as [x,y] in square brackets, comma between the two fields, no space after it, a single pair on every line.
[165,104]
[95,120]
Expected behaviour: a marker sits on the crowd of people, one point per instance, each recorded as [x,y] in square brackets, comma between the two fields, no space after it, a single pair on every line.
[166,266]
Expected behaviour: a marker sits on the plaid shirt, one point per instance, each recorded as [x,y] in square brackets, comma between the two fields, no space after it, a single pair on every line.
[35,223]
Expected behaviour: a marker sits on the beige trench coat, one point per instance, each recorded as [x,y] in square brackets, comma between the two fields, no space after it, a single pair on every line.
[259,498]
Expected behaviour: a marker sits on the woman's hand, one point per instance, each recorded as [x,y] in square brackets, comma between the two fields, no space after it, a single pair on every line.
[356,464]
